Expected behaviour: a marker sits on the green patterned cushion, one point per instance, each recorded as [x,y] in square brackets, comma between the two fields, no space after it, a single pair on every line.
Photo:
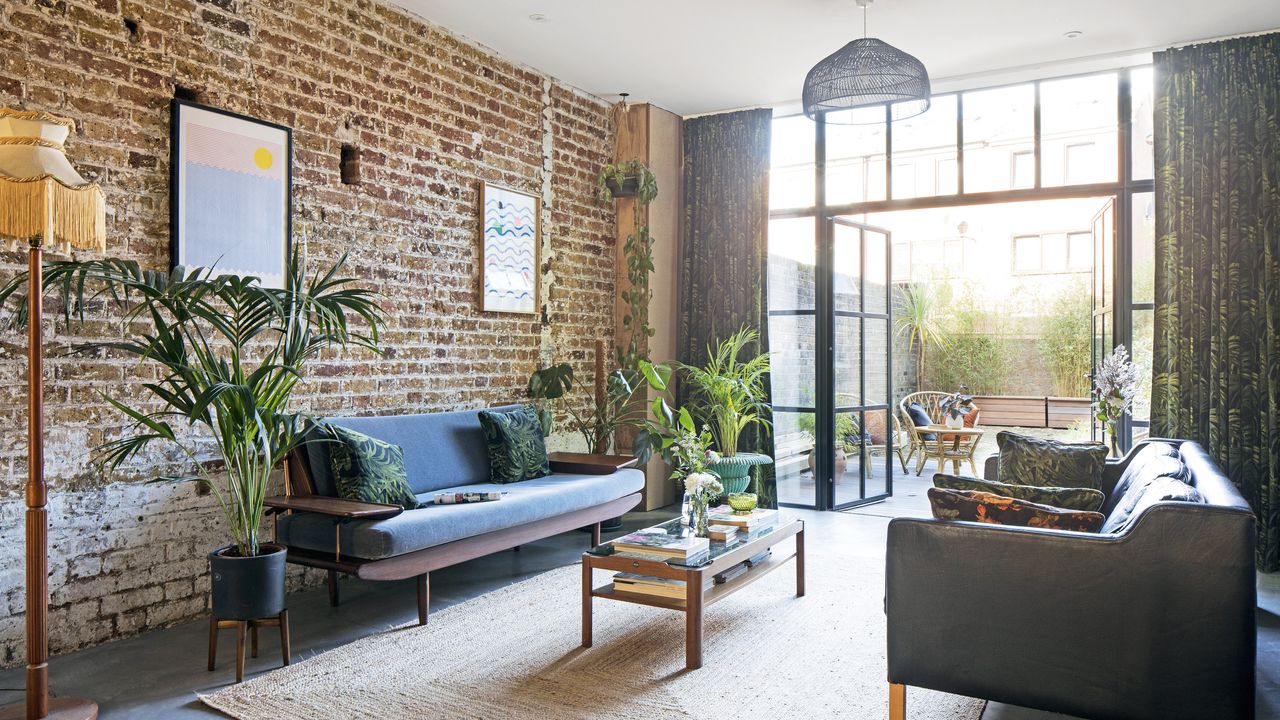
[517,450]
[984,507]
[368,469]
[1086,499]
[1049,463]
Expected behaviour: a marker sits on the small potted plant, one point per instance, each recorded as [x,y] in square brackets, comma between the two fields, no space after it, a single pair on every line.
[631,178]
[955,407]
[1115,385]
[227,354]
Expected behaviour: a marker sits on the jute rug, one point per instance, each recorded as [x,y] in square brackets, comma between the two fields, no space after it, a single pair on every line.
[514,653]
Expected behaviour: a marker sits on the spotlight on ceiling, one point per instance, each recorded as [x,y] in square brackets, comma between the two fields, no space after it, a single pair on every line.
[539,18]
[1072,34]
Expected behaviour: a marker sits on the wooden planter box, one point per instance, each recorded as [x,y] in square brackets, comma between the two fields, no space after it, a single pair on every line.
[1031,411]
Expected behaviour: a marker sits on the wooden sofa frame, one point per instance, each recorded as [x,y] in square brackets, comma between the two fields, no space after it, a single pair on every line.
[300,496]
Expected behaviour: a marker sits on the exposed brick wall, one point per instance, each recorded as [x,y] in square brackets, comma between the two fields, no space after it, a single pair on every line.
[431,114]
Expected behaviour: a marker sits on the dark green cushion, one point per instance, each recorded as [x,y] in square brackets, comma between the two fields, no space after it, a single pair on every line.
[1086,499]
[1048,463]
[368,469]
[517,450]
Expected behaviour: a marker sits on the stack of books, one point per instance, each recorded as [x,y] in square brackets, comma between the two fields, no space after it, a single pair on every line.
[682,545]
[647,585]
[750,525]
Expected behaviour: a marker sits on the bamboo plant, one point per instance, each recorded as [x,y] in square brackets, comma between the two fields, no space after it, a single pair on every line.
[229,352]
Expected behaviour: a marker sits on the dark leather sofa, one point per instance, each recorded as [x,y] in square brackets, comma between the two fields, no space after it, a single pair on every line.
[1155,622]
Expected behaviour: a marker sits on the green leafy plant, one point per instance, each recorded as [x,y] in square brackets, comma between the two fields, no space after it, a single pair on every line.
[1064,341]
[728,392]
[614,410]
[546,385]
[638,250]
[975,355]
[917,321]
[229,354]
[846,429]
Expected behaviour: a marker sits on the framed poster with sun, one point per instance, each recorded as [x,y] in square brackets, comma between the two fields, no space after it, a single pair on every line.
[230,193]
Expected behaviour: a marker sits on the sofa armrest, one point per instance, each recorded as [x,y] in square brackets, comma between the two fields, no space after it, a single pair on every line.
[335,507]
[1155,623]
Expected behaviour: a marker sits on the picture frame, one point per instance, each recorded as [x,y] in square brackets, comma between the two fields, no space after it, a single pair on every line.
[231,193]
[510,250]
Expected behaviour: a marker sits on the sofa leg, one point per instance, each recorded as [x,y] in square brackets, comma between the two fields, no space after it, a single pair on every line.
[333,588]
[595,535]
[424,597]
[897,701]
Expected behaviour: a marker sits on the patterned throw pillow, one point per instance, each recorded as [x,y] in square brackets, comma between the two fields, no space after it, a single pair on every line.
[1086,499]
[368,469]
[984,507]
[1049,463]
[517,450]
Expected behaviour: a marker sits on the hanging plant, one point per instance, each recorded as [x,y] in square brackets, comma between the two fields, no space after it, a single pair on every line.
[614,181]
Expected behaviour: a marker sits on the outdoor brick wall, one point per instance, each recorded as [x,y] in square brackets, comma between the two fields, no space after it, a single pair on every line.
[431,115]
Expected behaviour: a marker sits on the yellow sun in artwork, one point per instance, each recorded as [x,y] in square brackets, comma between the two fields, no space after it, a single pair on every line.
[262,158]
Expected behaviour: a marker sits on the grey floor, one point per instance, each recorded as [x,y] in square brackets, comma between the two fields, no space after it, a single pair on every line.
[156,675]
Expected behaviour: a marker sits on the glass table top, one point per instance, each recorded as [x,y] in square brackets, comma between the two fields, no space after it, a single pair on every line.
[673,531]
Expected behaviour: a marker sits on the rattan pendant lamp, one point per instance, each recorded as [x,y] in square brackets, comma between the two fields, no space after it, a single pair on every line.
[865,73]
[44,202]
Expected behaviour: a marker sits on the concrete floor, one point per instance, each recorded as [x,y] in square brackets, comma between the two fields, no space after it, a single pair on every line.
[156,675]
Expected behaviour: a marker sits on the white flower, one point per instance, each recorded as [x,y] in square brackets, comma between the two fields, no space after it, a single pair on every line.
[703,485]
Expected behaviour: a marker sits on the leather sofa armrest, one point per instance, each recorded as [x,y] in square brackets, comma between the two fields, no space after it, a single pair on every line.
[1155,623]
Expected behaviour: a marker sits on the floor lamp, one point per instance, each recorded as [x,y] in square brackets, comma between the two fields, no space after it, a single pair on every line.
[44,201]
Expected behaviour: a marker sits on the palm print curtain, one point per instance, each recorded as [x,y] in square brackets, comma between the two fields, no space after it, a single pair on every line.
[724,254]
[1217,318]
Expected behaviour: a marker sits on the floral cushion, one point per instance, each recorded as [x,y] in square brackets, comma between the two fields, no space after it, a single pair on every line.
[517,450]
[1086,499]
[1048,463]
[976,506]
[369,470]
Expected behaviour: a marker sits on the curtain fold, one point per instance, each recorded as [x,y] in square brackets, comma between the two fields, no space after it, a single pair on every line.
[724,249]
[1217,295]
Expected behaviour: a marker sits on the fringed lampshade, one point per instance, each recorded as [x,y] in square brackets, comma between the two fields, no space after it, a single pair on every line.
[41,194]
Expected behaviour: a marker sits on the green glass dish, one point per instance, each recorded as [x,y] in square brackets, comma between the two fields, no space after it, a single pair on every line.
[743,502]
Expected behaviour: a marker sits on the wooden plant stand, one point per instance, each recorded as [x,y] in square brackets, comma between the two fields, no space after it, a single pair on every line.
[251,626]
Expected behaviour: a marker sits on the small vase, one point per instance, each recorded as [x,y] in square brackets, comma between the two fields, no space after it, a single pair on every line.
[1115,445]
[698,509]
[686,511]
[955,421]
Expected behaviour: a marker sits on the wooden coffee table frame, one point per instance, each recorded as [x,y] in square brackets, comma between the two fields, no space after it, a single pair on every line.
[696,598]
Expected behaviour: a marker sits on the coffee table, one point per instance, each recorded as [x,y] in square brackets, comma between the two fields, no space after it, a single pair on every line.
[697,597]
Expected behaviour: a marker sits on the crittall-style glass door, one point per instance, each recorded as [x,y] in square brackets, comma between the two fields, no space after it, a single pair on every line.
[859,355]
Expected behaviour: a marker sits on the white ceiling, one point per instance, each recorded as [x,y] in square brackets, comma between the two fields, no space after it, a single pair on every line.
[698,56]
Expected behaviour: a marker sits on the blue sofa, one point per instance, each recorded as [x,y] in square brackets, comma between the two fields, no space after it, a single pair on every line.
[443,452]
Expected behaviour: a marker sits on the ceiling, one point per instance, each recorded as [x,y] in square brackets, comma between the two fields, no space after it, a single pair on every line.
[699,56]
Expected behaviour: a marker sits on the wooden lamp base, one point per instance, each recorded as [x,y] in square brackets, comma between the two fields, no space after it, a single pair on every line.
[59,709]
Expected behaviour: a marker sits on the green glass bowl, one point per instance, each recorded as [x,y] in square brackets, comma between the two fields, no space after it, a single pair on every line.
[743,502]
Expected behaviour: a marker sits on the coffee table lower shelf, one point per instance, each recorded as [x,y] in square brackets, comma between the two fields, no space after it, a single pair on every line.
[697,595]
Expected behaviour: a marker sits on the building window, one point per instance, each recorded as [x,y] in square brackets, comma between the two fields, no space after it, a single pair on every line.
[1081,162]
[947,177]
[1023,169]
[1053,253]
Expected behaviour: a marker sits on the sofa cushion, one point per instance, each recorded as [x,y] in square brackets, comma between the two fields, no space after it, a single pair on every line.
[984,507]
[1152,461]
[1144,494]
[432,525]
[1086,499]
[920,418]
[517,450]
[441,450]
[1027,460]
[368,469]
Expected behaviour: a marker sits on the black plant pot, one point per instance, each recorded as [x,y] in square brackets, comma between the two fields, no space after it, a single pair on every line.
[629,187]
[247,588]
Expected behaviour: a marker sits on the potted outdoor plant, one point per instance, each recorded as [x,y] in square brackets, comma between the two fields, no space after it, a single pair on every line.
[228,354]
[955,407]
[846,439]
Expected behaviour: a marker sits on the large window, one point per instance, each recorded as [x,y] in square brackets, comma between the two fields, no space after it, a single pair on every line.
[1085,137]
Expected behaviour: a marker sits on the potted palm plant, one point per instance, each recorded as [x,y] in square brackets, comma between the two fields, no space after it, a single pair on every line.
[228,354]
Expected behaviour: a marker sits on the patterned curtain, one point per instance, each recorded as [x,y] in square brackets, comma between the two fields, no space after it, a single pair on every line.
[724,254]
[1217,319]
